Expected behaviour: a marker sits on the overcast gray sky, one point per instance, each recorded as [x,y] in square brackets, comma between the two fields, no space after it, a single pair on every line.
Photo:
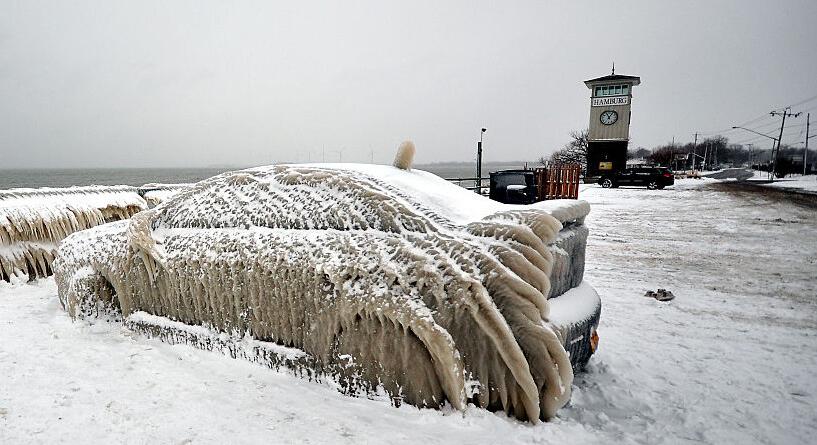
[135,84]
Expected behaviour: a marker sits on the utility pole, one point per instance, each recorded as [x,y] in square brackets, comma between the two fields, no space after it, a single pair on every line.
[694,151]
[751,156]
[706,150]
[783,113]
[805,153]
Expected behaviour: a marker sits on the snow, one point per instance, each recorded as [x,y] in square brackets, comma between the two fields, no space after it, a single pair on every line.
[574,304]
[807,183]
[456,203]
[730,360]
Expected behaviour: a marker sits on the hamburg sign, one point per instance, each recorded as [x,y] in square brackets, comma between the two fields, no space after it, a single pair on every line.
[609,101]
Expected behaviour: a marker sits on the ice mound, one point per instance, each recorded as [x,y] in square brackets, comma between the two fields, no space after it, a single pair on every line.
[390,278]
[34,221]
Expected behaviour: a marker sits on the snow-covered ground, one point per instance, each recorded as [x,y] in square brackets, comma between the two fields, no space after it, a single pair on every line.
[805,183]
[730,360]
[801,183]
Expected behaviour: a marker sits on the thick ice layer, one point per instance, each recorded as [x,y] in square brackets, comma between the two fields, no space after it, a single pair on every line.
[392,278]
[34,221]
[155,194]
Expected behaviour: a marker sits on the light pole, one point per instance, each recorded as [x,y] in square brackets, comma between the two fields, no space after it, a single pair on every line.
[479,162]
[771,174]
[805,152]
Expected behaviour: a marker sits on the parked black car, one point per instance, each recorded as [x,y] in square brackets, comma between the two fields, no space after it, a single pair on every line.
[650,177]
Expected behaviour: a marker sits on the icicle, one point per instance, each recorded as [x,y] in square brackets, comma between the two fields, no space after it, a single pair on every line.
[377,287]
[34,221]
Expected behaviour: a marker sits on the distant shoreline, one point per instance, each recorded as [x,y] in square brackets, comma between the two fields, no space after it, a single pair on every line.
[241,167]
[137,176]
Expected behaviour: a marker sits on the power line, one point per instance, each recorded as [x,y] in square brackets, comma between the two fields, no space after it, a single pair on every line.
[809,109]
[762,116]
[750,141]
[730,129]
[803,101]
[767,125]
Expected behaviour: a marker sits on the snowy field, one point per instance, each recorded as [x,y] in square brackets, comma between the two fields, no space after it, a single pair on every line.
[805,183]
[730,360]
[800,183]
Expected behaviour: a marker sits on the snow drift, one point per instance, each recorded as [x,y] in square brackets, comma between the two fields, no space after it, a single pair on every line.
[387,279]
[34,221]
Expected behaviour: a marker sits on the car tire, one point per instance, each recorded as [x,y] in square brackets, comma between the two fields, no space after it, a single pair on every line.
[652,185]
[607,183]
[661,187]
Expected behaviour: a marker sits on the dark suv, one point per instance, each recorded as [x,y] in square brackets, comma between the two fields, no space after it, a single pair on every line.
[651,177]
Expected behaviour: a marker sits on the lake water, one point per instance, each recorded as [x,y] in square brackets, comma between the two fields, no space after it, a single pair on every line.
[139,176]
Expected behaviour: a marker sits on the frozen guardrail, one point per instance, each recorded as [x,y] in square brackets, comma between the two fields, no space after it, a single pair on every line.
[155,193]
[34,221]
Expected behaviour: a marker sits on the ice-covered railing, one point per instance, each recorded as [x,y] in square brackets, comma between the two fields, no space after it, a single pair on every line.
[34,221]
[392,277]
[155,193]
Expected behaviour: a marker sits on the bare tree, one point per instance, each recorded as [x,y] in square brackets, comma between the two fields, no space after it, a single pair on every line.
[574,152]
[639,153]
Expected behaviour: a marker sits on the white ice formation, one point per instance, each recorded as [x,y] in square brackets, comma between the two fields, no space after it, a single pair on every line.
[34,221]
[155,194]
[391,278]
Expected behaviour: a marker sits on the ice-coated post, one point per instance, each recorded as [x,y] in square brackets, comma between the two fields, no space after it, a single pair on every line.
[479,167]
[478,182]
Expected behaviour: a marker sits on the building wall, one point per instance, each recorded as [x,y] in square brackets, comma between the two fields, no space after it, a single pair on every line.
[606,157]
[618,131]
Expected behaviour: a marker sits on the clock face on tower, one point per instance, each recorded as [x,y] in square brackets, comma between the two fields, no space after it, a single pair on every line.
[608,117]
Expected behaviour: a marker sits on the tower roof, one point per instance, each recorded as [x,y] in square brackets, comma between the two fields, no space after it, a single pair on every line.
[635,80]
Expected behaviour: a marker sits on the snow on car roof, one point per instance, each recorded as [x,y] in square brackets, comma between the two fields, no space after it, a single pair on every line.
[444,197]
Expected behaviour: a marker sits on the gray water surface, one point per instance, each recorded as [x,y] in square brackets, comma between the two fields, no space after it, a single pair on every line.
[32,178]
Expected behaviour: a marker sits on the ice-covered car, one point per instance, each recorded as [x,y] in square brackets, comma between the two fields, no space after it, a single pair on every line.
[384,280]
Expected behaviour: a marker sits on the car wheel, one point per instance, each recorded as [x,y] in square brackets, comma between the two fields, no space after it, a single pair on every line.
[607,183]
[652,185]
[661,187]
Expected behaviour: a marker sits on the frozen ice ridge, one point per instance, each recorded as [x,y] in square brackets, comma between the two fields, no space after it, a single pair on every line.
[34,221]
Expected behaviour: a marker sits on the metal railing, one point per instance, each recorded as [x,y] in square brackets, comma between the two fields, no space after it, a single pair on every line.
[475,182]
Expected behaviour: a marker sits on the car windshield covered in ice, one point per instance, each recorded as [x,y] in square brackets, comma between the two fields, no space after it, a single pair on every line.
[384,280]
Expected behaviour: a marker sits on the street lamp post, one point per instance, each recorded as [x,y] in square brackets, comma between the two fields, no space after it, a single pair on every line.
[774,140]
[479,162]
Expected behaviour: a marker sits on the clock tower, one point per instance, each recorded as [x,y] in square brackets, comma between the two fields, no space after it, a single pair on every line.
[609,131]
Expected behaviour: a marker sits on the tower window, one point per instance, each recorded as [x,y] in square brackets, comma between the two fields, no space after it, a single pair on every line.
[611,90]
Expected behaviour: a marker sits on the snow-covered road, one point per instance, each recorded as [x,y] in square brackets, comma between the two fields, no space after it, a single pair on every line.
[731,360]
